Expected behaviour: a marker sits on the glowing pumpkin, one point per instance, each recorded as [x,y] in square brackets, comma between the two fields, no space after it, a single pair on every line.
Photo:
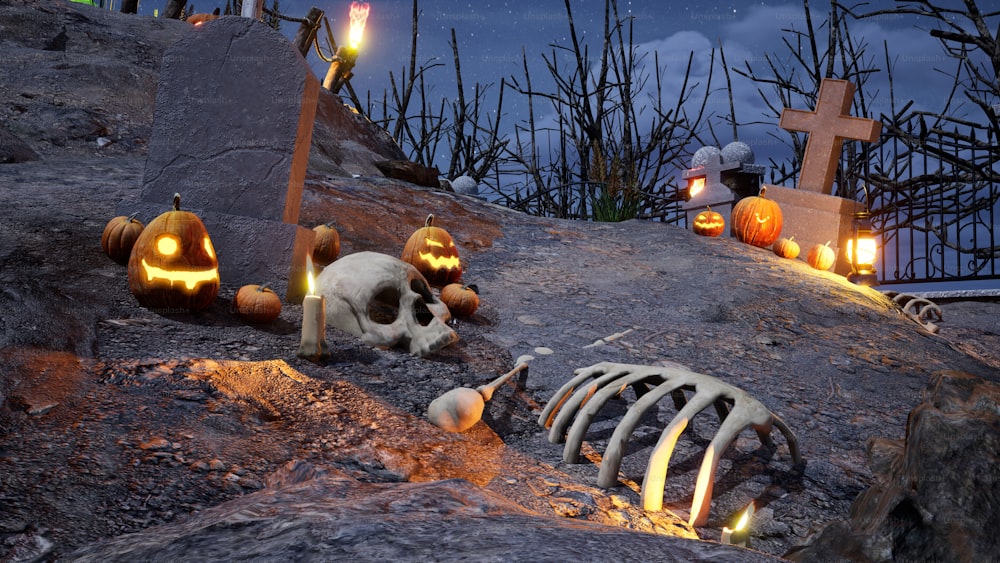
[462,300]
[326,244]
[173,266]
[119,237]
[433,253]
[257,303]
[786,248]
[708,223]
[757,221]
[821,256]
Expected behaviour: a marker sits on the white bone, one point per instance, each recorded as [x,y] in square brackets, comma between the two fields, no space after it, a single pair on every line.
[580,401]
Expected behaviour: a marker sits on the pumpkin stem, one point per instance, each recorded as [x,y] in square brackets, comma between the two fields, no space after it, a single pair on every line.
[263,287]
[330,224]
[177,202]
[429,221]
[762,190]
[473,287]
[828,243]
[131,217]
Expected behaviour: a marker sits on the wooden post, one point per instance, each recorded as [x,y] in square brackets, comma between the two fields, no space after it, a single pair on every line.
[307,31]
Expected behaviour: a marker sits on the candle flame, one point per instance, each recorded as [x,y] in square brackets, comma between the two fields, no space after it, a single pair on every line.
[310,277]
[741,524]
[359,15]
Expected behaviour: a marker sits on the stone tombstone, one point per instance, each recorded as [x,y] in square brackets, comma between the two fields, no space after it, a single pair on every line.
[730,175]
[232,130]
[828,125]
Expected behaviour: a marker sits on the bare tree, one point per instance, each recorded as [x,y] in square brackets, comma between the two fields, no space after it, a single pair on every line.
[605,160]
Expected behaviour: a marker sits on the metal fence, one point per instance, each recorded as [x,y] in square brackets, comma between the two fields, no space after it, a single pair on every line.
[935,202]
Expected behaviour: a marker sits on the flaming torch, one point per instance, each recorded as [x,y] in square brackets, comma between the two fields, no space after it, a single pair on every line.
[347,55]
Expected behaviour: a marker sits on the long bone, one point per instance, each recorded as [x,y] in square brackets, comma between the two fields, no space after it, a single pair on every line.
[612,379]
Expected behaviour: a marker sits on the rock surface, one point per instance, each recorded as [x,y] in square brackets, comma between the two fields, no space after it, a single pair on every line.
[936,495]
[126,434]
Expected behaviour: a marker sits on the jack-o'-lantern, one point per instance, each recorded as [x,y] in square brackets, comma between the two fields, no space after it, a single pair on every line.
[708,223]
[173,266]
[462,300]
[821,256]
[257,303]
[757,221]
[786,248]
[326,244]
[432,252]
[119,237]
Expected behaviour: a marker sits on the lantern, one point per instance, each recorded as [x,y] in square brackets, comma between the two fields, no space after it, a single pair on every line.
[861,251]
[433,253]
[173,266]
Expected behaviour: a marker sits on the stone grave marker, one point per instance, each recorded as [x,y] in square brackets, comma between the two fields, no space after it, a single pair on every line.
[232,127]
[811,214]
[729,175]
[828,125]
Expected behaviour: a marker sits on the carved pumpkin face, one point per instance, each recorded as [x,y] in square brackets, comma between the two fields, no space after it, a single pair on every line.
[757,221]
[708,223]
[433,253]
[173,264]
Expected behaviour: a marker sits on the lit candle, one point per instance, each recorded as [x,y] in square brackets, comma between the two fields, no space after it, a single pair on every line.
[313,345]
[741,533]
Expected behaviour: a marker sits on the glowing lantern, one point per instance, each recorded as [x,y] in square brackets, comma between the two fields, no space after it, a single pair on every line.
[863,259]
[433,253]
[173,265]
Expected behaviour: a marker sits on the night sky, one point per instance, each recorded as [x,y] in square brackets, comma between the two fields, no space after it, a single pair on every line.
[491,36]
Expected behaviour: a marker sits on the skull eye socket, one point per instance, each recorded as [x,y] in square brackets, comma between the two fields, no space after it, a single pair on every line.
[168,245]
[384,307]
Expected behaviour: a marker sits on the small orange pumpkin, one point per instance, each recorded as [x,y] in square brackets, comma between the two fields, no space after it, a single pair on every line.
[433,253]
[786,248]
[119,237]
[462,300]
[257,303]
[326,244]
[821,256]
[708,223]
[757,221]
[173,266]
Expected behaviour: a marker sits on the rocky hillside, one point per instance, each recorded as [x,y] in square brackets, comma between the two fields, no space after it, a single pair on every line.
[127,435]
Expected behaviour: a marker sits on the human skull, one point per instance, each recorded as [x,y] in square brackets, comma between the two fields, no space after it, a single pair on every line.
[386,302]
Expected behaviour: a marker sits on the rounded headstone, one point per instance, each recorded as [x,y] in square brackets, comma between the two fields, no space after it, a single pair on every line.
[706,155]
[465,185]
[737,152]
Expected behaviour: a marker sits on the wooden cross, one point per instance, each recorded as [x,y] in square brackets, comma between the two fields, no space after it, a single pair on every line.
[827,127]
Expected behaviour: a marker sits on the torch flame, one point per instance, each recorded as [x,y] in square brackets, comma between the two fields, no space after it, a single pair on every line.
[359,15]
[310,277]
